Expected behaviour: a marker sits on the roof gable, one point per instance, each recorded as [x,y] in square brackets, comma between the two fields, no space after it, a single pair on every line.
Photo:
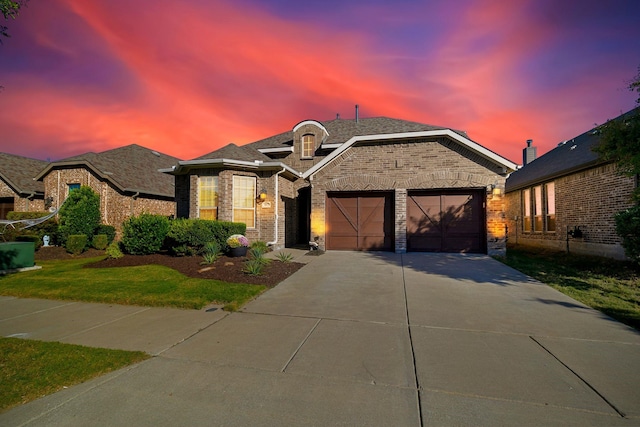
[18,173]
[131,168]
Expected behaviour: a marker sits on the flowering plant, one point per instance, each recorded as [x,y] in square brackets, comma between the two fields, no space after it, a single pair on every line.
[237,240]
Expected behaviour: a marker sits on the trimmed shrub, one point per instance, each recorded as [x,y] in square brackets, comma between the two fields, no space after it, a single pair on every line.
[37,241]
[114,251]
[79,214]
[628,227]
[190,236]
[109,230]
[144,234]
[100,241]
[76,243]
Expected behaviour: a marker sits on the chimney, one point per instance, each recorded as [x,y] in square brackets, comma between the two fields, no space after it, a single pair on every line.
[529,154]
[357,114]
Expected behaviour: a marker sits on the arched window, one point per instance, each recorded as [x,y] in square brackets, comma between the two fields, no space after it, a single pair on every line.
[308,145]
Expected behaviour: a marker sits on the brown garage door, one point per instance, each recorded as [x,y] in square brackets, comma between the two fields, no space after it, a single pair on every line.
[446,221]
[359,221]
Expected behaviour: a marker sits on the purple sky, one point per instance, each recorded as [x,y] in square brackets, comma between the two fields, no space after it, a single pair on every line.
[90,75]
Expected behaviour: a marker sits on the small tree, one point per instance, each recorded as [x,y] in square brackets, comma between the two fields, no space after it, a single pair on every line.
[79,214]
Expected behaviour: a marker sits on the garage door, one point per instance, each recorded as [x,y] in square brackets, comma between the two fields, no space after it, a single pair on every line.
[359,221]
[446,221]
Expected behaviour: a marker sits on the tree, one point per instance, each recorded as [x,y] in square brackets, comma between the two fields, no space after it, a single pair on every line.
[620,140]
[10,10]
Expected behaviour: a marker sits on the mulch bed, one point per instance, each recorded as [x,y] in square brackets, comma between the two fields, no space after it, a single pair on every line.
[225,268]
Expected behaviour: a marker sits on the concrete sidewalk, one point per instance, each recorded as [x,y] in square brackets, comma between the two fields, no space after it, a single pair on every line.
[351,339]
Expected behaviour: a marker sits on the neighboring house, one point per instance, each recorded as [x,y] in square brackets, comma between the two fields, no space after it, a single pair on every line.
[566,190]
[18,190]
[126,179]
[362,184]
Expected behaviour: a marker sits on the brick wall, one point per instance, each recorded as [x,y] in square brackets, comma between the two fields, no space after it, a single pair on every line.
[409,165]
[115,207]
[21,204]
[587,199]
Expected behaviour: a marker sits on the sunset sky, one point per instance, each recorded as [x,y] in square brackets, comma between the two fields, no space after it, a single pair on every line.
[188,77]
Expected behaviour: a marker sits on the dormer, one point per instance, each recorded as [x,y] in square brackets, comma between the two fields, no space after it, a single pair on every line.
[307,138]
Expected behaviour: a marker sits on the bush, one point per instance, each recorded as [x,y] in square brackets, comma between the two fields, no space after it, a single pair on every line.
[49,227]
[76,243]
[37,241]
[144,234]
[113,250]
[100,241]
[109,230]
[628,227]
[79,214]
[190,236]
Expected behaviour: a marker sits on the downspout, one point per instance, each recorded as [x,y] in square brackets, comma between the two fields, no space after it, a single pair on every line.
[276,197]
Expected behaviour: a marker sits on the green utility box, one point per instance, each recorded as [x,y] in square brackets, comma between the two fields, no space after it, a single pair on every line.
[15,255]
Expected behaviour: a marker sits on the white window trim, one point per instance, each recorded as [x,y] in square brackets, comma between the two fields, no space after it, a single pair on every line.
[233,207]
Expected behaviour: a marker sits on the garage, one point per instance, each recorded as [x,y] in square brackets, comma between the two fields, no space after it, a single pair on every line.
[359,221]
[446,221]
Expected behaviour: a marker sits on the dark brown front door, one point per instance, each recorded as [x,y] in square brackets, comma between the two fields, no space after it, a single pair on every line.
[359,221]
[446,221]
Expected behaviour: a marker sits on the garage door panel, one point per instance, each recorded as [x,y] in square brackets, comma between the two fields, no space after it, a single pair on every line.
[445,221]
[359,221]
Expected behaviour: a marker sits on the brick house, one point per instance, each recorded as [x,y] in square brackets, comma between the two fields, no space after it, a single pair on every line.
[567,189]
[126,178]
[361,184]
[18,190]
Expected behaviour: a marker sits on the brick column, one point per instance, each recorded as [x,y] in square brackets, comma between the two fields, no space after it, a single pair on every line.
[400,220]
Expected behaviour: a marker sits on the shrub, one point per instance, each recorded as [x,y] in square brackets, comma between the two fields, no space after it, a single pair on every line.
[261,244]
[37,241]
[253,267]
[79,214]
[144,234]
[100,241]
[628,227]
[114,251]
[109,230]
[189,236]
[49,227]
[284,257]
[258,254]
[76,243]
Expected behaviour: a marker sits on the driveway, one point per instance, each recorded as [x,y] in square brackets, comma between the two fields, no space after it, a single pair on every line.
[353,339]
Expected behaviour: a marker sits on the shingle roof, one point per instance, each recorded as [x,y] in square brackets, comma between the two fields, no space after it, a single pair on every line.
[341,130]
[131,168]
[568,157]
[18,172]
[232,151]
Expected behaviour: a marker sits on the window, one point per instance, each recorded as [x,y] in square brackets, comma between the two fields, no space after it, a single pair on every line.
[308,145]
[526,210]
[537,208]
[550,206]
[72,187]
[244,200]
[6,206]
[208,197]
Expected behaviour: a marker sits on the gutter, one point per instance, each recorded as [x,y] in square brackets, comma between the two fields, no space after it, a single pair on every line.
[277,196]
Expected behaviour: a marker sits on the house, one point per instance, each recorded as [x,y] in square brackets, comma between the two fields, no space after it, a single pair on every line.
[18,190]
[359,184]
[565,200]
[126,179]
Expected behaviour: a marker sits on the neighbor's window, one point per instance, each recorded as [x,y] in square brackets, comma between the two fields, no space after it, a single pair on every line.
[308,145]
[537,207]
[244,200]
[550,206]
[208,197]
[526,210]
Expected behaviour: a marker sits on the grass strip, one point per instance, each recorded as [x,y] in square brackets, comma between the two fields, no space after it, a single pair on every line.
[149,285]
[32,369]
[610,286]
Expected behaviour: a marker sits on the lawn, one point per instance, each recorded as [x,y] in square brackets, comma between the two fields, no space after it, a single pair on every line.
[148,285]
[611,286]
[32,369]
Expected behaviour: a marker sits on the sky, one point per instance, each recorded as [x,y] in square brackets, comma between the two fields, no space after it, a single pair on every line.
[186,78]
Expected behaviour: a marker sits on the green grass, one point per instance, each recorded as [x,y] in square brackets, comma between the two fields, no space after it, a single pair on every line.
[32,369]
[150,285]
[611,286]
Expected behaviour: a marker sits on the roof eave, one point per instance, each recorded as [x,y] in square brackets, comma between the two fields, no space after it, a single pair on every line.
[186,165]
[556,175]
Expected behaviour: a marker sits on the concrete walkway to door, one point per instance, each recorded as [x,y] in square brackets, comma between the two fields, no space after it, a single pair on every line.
[371,339]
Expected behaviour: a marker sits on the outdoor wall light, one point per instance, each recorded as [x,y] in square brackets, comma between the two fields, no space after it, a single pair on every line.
[262,196]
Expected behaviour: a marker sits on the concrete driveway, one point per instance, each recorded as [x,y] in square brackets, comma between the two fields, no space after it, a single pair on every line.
[352,339]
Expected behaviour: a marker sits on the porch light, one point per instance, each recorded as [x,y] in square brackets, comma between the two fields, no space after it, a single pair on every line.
[262,196]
